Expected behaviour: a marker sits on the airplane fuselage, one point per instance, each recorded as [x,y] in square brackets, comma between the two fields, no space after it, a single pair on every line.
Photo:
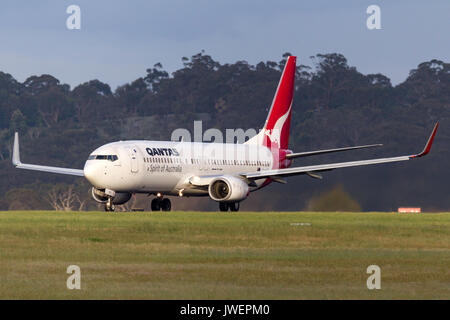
[167,167]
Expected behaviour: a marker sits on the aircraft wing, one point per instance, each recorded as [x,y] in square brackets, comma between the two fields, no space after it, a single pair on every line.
[16,162]
[313,153]
[202,181]
[279,173]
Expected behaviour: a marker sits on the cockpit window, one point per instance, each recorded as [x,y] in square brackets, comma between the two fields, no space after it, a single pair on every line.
[112,157]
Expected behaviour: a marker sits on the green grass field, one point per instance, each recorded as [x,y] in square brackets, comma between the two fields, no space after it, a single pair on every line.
[245,255]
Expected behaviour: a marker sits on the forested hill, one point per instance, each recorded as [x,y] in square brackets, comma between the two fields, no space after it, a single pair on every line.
[334,106]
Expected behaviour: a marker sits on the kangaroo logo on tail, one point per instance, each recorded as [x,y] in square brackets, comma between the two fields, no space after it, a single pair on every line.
[275,133]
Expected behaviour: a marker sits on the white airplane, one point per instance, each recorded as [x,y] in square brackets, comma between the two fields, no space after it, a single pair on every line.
[227,173]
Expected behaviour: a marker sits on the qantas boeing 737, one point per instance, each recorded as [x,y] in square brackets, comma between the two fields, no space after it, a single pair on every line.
[227,173]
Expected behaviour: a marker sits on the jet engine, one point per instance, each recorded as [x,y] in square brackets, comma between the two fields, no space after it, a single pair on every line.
[99,195]
[227,188]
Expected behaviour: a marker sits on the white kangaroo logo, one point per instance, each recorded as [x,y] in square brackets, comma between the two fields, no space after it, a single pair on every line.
[275,133]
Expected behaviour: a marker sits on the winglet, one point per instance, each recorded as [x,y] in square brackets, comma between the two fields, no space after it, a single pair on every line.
[16,153]
[429,143]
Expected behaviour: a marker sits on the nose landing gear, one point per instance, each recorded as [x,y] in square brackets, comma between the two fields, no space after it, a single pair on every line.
[109,206]
[161,204]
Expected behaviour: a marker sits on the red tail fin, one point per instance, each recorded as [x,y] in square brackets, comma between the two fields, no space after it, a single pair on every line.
[275,133]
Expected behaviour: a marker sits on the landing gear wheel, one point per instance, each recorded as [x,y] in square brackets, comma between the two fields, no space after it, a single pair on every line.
[223,206]
[156,204]
[109,206]
[234,206]
[166,205]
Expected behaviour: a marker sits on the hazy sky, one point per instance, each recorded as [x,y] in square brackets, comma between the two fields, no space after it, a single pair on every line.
[119,40]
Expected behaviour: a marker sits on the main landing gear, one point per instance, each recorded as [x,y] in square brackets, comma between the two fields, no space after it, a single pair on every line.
[161,204]
[109,206]
[232,206]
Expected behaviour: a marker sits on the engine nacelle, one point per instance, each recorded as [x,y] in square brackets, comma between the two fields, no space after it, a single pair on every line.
[119,198]
[228,189]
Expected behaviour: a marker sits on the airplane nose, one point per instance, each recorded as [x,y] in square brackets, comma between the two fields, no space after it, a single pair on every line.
[90,172]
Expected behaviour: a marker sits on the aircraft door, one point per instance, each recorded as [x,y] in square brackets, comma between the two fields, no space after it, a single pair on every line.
[134,160]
